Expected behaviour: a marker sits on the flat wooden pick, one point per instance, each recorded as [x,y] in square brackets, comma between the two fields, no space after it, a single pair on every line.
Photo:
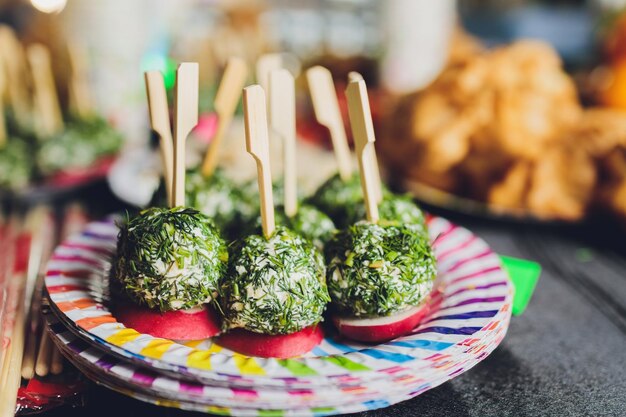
[363,133]
[283,122]
[80,95]
[326,107]
[160,122]
[257,145]
[13,60]
[185,119]
[376,178]
[49,120]
[264,66]
[226,101]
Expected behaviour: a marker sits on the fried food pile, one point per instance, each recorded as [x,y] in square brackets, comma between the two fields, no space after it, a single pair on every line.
[505,126]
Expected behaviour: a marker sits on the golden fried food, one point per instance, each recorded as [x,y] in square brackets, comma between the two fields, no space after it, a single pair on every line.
[511,191]
[561,183]
[600,130]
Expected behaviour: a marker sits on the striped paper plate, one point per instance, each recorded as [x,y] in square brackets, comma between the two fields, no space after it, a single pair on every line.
[148,386]
[132,377]
[473,303]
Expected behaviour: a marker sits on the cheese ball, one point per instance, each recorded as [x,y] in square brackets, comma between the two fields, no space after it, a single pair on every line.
[274,286]
[170,258]
[339,199]
[400,208]
[16,166]
[379,269]
[221,199]
[81,144]
[309,222]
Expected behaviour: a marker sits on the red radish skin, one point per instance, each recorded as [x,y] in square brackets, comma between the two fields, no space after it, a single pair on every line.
[281,346]
[381,329]
[194,324]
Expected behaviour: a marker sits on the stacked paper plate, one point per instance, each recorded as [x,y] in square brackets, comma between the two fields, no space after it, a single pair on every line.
[468,319]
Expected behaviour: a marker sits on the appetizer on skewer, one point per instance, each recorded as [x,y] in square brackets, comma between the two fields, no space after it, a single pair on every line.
[274,293]
[380,272]
[170,260]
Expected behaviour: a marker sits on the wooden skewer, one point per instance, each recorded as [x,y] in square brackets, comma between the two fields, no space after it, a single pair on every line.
[11,378]
[376,178]
[363,133]
[49,120]
[264,66]
[257,144]
[13,60]
[44,356]
[283,122]
[160,123]
[185,119]
[39,223]
[56,363]
[226,101]
[80,96]
[326,107]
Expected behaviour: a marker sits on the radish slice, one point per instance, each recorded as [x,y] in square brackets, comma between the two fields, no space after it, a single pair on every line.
[193,324]
[381,329]
[272,346]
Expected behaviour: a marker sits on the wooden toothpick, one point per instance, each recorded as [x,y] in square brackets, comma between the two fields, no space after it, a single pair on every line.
[226,101]
[80,94]
[47,108]
[14,62]
[283,122]
[376,178]
[160,122]
[257,145]
[363,133]
[3,126]
[185,119]
[264,66]
[326,107]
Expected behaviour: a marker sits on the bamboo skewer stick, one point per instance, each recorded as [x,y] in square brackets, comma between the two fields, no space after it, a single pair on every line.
[283,122]
[80,96]
[226,101]
[48,111]
[257,144]
[14,62]
[264,66]
[11,377]
[56,363]
[376,178]
[160,123]
[326,107]
[3,125]
[363,133]
[185,119]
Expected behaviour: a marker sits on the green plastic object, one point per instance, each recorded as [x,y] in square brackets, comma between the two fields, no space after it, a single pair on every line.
[524,275]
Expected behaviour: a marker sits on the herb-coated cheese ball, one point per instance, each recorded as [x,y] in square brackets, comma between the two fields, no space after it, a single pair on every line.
[16,167]
[400,208]
[309,222]
[170,258]
[274,286]
[339,199]
[221,199]
[81,144]
[379,269]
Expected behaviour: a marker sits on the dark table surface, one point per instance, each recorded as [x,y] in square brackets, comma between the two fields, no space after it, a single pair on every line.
[565,356]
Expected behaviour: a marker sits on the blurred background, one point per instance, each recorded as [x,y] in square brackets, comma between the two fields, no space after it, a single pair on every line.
[480,106]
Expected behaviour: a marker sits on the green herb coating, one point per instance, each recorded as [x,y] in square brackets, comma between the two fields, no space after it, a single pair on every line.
[275,285]
[221,199]
[78,146]
[339,199]
[400,208]
[170,259]
[309,222]
[16,166]
[379,269]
